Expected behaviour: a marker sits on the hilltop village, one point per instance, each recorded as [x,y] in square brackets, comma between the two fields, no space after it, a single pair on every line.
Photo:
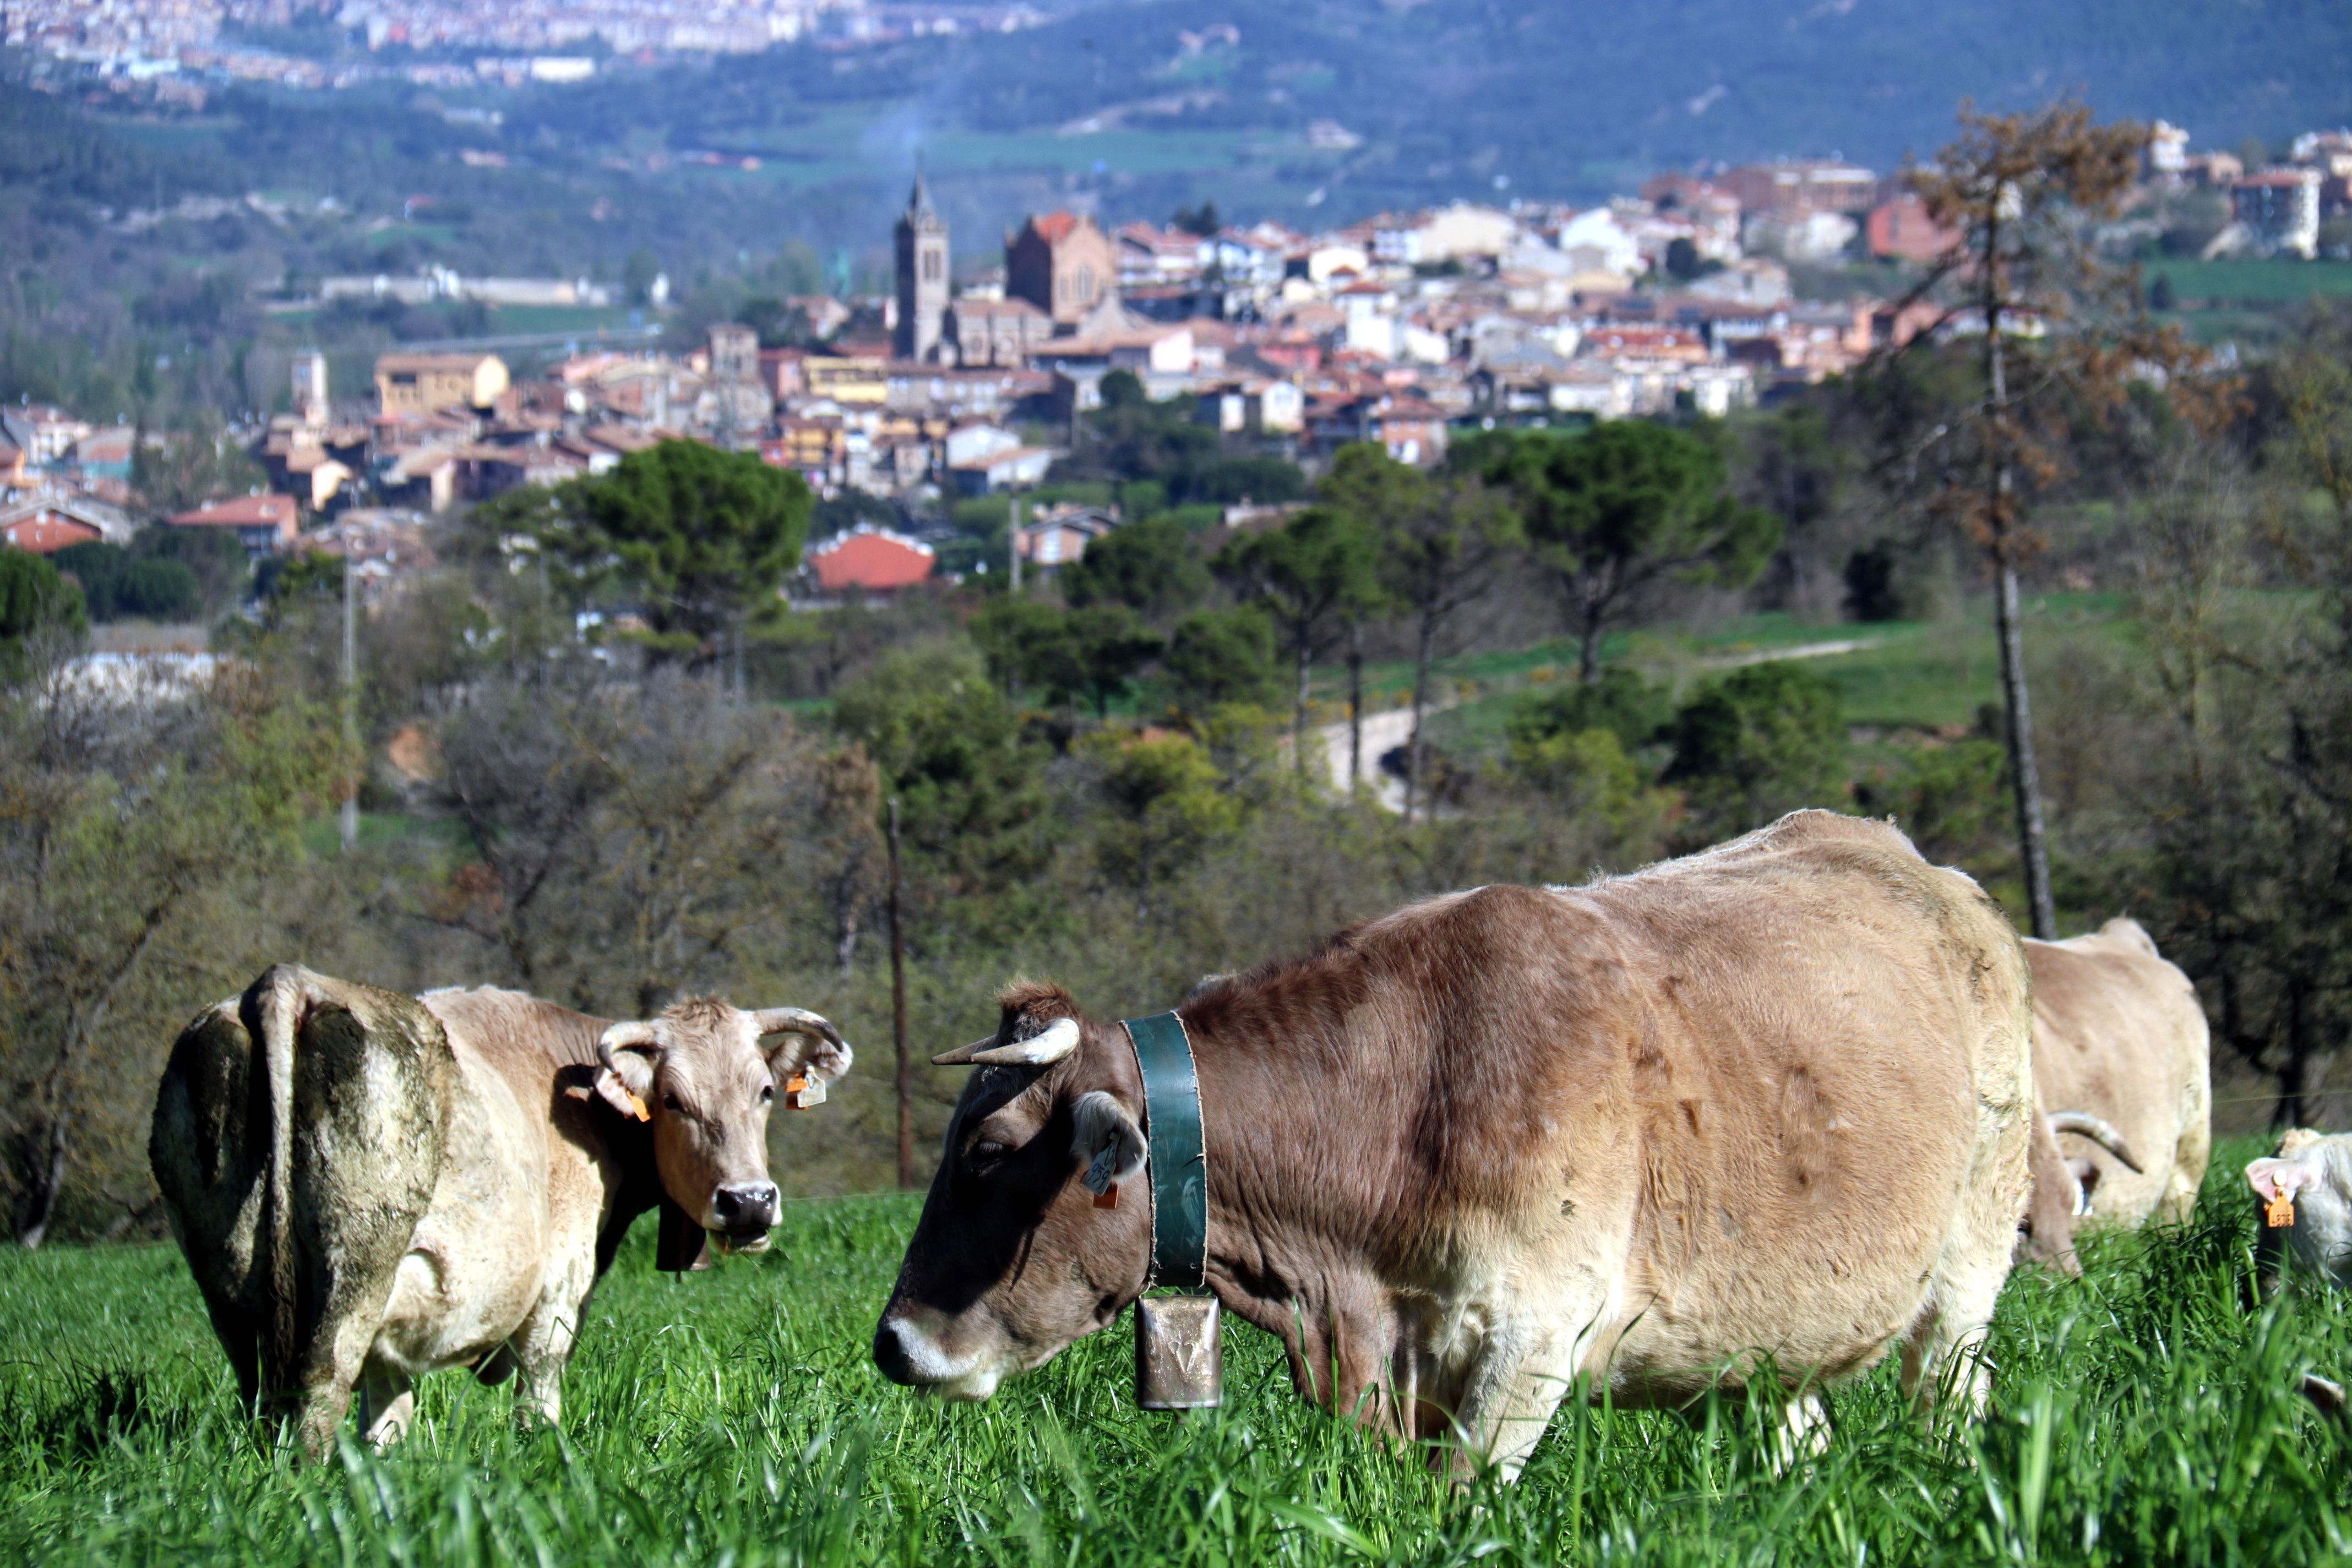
[1700,295]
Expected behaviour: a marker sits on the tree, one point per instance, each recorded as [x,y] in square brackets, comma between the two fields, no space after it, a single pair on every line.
[1621,702]
[955,753]
[703,535]
[35,601]
[1151,567]
[1169,805]
[1440,535]
[1070,656]
[1200,220]
[1310,575]
[1221,656]
[2058,333]
[1756,743]
[1616,510]
[137,832]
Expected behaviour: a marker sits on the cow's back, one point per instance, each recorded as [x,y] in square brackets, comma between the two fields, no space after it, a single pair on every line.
[2118,1033]
[1816,1093]
[209,1147]
[293,1229]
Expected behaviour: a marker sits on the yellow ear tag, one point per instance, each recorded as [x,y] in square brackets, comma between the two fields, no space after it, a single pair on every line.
[637,1109]
[2280,1210]
[800,1093]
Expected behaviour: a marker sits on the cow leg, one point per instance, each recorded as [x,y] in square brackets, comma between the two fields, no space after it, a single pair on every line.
[387,1404]
[1804,1432]
[1520,1379]
[1943,1354]
[332,1372]
[541,1348]
[241,1340]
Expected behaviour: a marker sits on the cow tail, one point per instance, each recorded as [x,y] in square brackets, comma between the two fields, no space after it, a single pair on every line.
[280,999]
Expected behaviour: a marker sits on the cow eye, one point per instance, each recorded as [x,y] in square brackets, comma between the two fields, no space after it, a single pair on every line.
[669,1102]
[990,1148]
[767,1092]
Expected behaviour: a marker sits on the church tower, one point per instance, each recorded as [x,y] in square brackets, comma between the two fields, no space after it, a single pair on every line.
[922,250]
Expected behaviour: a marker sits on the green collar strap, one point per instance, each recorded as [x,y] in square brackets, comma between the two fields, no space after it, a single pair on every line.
[1180,1157]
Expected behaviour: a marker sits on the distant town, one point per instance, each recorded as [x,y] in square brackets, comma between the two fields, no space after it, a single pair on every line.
[171,49]
[1401,331]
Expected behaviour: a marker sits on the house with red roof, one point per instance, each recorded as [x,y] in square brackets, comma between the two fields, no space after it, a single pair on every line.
[1062,264]
[870,560]
[264,523]
[47,520]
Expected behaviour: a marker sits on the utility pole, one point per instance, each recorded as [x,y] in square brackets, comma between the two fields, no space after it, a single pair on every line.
[350,812]
[906,1084]
[1012,545]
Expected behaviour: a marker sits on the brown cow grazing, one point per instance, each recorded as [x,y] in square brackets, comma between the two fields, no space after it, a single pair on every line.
[2121,1063]
[371,1186]
[1771,1099]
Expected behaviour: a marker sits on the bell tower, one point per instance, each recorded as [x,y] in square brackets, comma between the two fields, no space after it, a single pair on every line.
[922,257]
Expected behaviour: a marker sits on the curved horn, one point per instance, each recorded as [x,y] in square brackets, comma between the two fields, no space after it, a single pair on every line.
[1050,1044]
[795,1021]
[2084,1124]
[620,1036]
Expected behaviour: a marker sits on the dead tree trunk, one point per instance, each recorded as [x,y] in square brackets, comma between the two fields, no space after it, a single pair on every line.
[2002,535]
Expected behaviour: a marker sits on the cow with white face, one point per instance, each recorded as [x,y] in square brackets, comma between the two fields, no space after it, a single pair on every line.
[2312,1172]
[369,1186]
[1635,1136]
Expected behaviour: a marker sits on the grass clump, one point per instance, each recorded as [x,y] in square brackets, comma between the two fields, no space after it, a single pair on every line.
[2142,1414]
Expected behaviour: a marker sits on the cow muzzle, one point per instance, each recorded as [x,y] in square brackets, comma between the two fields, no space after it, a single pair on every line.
[909,1355]
[743,1212]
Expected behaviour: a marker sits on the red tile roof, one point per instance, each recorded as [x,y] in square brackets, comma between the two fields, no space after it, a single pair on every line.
[44,533]
[870,558]
[242,511]
[1054,228]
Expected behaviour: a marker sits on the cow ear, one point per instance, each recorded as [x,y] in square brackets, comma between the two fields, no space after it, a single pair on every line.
[805,1043]
[2274,1179]
[1108,1143]
[625,1081]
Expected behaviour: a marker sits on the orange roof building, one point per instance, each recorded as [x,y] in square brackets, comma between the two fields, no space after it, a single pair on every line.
[263,522]
[870,560]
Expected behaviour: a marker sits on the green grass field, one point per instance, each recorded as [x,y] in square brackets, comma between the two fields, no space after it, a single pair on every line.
[2143,1415]
[1901,674]
[2246,281]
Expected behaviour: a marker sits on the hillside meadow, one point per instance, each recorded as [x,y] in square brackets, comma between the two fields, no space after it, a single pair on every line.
[2143,1415]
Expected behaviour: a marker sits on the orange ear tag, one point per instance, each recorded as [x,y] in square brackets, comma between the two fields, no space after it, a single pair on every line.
[800,1093]
[637,1109]
[1108,1197]
[2280,1210]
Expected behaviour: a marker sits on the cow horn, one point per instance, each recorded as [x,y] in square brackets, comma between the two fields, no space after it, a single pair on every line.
[1050,1044]
[2084,1124]
[795,1021]
[620,1036]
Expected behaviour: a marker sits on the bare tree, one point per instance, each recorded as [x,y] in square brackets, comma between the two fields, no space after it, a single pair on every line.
[137,809]
[2058,338]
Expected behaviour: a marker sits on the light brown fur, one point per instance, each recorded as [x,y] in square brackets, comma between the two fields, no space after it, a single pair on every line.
[369,1186]
[1772,1100]
[2118,1032]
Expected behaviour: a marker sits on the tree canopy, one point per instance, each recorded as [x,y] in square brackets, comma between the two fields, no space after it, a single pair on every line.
[1616,508]
[704,535]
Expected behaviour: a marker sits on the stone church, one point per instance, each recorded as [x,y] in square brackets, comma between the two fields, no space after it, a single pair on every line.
[923,277]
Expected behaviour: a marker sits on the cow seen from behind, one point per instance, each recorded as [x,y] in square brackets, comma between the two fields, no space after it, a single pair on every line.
[369,1186]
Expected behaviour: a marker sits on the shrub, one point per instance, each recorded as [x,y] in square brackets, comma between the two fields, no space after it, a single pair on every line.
[1762,741]
[1221,656]
[1621,702]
